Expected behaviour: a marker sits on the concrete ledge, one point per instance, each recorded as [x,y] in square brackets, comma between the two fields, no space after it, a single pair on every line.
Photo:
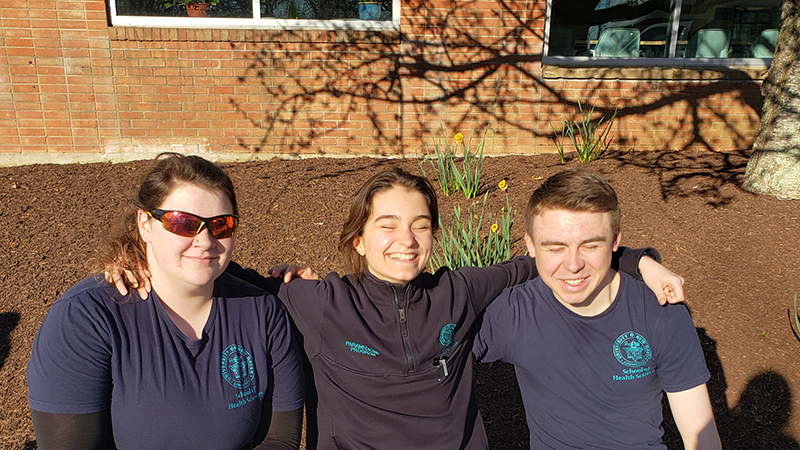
[27,159]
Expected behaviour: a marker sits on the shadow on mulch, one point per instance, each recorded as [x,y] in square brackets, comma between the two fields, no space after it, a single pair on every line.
[760,417]
[679,174]
[756,423]
[8,321]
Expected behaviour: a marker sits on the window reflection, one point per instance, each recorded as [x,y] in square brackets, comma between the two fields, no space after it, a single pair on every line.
[179,8]
[722,31]
[268,9]
[645,28]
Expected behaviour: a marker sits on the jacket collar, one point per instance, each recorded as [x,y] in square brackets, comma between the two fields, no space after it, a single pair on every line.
[383,292]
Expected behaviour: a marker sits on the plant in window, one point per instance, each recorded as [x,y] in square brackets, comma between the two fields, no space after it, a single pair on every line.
[193,7]
[587,135]
[293,12]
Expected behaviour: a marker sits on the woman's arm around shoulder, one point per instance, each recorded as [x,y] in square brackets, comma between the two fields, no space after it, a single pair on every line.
[486,283]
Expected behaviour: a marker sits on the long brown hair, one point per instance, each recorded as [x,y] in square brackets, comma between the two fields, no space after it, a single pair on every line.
[125,247]
[361,209]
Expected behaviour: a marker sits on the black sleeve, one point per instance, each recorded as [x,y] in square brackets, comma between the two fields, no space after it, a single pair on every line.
[627,260]
[284,430]
[73,431]
[269,284]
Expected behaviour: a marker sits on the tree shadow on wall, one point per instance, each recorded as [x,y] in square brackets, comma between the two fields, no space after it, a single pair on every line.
[442,66]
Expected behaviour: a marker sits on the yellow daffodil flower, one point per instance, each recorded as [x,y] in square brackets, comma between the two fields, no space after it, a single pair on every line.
[502,185]
[459,138]
[495,228]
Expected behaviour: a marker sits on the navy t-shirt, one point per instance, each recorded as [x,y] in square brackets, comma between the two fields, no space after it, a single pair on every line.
[593,382]
[97,350]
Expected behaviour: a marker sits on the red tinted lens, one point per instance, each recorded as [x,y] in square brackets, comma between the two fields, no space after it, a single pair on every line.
[222,227]
[181,224]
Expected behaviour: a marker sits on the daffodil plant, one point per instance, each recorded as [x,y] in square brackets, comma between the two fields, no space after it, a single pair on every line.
[587,136]
[464,241]
[451,175]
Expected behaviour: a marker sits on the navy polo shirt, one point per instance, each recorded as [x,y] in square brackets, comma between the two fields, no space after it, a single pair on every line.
[97,350]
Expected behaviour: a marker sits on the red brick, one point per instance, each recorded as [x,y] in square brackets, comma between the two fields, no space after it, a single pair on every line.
[180,79]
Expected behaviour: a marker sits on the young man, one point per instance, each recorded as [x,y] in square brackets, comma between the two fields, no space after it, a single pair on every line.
[592,348]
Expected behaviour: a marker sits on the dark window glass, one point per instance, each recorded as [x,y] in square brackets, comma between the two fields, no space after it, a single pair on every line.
[645,28]
[177,8]
[731,32]
[269,9]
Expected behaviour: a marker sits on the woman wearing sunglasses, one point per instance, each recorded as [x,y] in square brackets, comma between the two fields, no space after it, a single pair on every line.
[206,361]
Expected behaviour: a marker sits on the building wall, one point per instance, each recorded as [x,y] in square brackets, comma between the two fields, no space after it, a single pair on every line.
[72,88]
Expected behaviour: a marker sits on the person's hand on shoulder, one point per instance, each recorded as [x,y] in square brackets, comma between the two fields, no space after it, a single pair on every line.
[291,271]
[123,278]
[667,285]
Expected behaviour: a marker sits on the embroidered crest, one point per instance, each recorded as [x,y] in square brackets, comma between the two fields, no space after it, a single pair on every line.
[632,350]
[447,334]
[237,366]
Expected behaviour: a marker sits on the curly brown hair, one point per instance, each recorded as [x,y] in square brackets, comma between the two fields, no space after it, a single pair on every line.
[125,247]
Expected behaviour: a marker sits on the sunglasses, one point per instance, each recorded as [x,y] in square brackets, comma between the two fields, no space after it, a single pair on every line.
[189,225]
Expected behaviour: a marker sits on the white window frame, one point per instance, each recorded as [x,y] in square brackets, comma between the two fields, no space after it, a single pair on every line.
[588,61]
[255,22]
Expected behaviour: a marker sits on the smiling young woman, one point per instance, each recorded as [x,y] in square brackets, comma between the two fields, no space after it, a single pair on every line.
[206,361]
[397,239]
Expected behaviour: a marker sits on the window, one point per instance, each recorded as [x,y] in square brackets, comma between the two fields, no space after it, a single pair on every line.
[661,32]
[291,14]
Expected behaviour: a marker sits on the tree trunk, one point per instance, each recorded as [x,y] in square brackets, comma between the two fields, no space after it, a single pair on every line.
[774,167]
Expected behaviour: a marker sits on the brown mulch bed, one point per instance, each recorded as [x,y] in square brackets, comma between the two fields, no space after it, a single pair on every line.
[738,252]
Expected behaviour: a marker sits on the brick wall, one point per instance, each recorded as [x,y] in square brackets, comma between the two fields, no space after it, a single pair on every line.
[72,87]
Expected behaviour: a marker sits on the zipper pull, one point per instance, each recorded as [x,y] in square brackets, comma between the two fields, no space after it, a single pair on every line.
[442,362]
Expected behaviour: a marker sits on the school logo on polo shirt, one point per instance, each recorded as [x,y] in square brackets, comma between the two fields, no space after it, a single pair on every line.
[237,366]
[632,350]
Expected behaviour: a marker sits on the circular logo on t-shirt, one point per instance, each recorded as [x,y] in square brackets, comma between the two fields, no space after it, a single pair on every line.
[631,349]
[237,366]
[447,334]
